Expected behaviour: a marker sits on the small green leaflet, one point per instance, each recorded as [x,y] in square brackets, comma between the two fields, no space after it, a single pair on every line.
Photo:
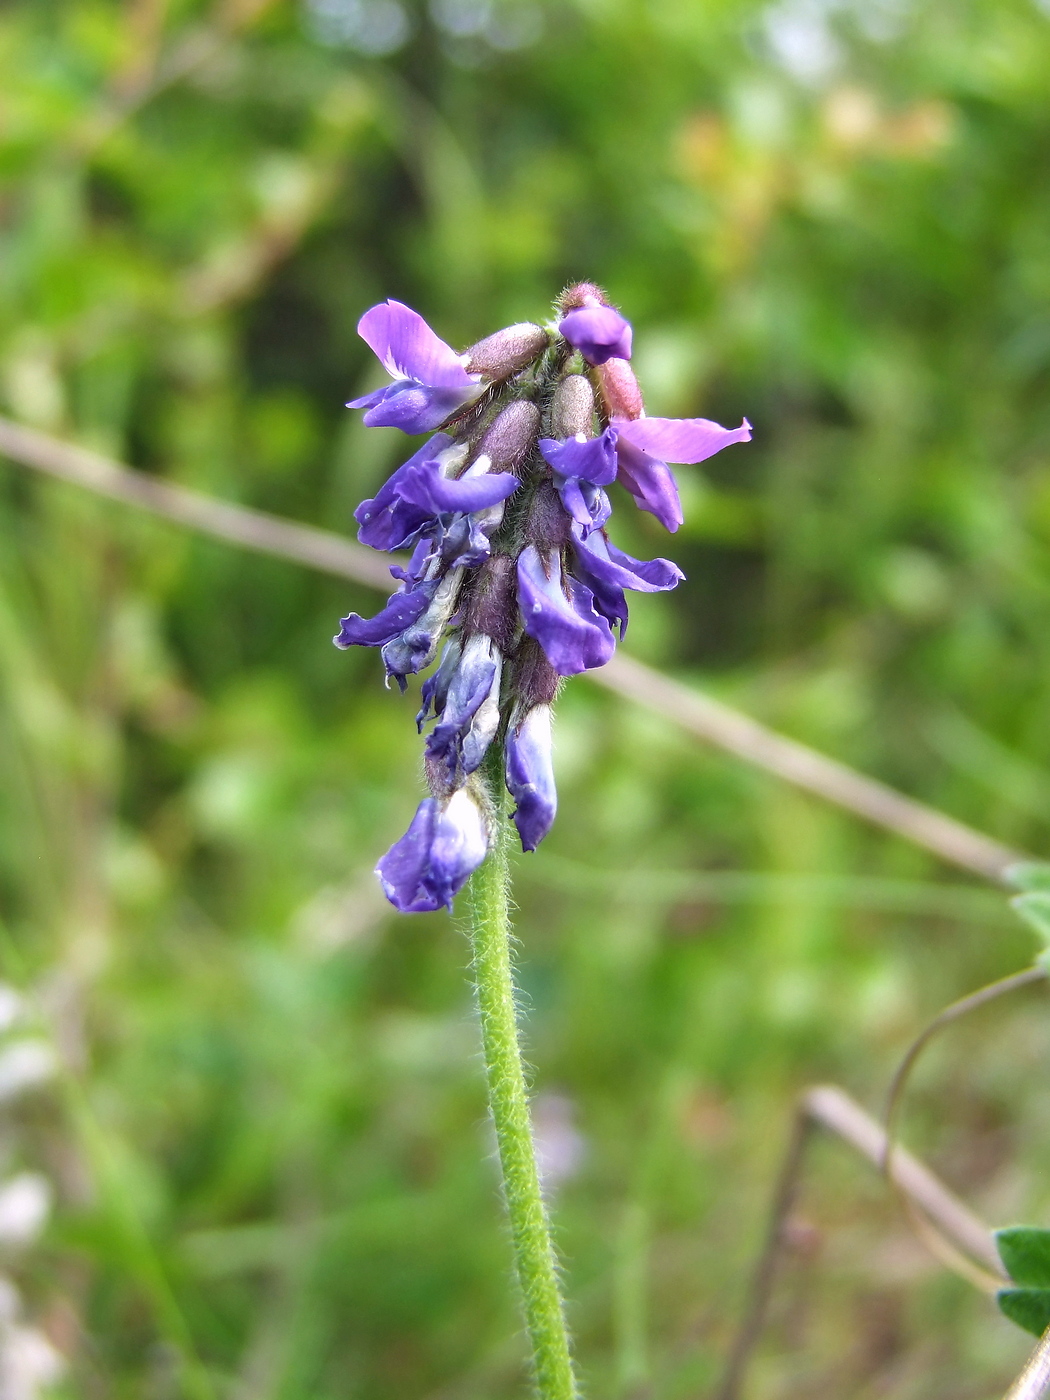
[1033,904]
[1025,1252]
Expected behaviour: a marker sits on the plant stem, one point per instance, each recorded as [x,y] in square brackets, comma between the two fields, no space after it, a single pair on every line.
[508,1102]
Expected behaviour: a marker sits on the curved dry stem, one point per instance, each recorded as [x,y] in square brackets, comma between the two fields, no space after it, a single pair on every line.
[933,1237]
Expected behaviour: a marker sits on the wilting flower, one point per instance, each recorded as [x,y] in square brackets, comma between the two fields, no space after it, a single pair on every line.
[505,511]
[442,848]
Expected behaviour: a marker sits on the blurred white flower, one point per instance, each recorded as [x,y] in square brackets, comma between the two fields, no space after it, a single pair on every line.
[372,27]
[10,1006]
[24,1064]
[25,1202]
[28,1361]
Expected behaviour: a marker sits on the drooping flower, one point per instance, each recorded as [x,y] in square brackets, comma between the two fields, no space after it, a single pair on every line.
[558,610]
[506,512]
[530,774]
[443,846]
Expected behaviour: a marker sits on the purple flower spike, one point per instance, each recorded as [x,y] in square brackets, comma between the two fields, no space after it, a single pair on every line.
[607,571]
[572,634]
[650,482]
[599,332]
[680,439]
[530,775]
[430,380]
[431,863]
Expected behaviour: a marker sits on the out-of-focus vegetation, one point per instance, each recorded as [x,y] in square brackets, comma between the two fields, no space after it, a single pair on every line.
[269,1152]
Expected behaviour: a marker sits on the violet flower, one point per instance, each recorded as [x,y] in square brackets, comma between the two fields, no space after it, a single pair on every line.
[506,512]
[644,446]
[443,846]
[431,382]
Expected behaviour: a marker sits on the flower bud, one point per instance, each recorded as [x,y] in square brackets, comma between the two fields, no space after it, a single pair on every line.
[619,390]
[572,411]
[579,294]
[493,604]
[530,775]
[536,680]
[511,436]
[509,350]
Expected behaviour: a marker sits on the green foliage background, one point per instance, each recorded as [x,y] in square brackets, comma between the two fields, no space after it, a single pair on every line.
[269,1146]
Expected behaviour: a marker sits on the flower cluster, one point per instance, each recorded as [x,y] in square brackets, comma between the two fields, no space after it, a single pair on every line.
[503,512]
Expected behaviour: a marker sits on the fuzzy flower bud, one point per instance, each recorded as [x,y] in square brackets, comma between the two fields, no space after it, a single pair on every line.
[508,351]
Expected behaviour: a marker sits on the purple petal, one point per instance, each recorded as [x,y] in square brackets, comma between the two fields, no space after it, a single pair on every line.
[409,349]
[601,559]
[650,482]
[600,332]
[574,637]
[530,776]
[423,485]
[443,846]
[401,612]
[403,869]
[680,439]
[589,459]
[414,407]
[370,400]
[387,520]
[468,725]
[414,648]
[417,564]
[608,571]
[460,845]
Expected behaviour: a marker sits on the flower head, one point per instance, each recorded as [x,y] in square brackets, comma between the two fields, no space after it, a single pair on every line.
[505,510]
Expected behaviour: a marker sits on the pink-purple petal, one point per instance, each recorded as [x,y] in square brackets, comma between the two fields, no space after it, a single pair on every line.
[409,349]
[680,439]
[650,482]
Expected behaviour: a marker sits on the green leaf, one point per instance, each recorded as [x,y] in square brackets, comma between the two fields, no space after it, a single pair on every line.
[1028,1307]
[1034,908]
[1029,875]
[1025,1252]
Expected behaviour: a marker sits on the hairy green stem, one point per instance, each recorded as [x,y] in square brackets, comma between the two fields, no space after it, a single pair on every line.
[508,1101]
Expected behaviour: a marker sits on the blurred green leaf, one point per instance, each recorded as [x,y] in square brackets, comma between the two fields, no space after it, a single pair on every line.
[1028,1307]
[1025,1252]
